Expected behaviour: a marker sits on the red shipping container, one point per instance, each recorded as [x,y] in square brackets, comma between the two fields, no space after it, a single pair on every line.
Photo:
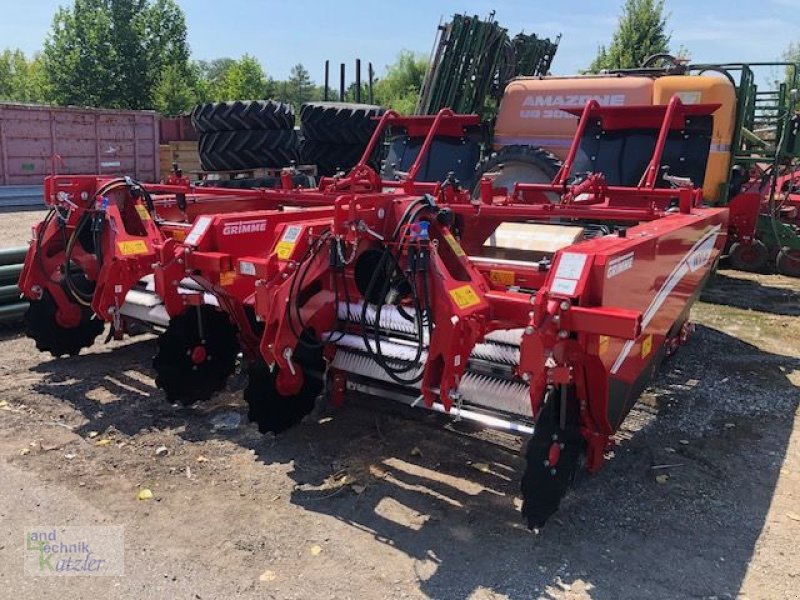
[40,140]
[177,129]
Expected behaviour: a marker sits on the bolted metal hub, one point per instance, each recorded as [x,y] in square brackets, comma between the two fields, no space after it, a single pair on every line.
[199,354]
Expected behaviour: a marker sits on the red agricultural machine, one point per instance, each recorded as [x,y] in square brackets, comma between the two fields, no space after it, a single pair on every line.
[543,309]
[99,240]
[409,296]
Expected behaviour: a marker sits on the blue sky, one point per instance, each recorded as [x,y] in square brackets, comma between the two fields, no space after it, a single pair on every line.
[283,33]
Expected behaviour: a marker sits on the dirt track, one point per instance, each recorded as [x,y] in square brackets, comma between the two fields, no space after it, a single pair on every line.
[386,503]
[15,226]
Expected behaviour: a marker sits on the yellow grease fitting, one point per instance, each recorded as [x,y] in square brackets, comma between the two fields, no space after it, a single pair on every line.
[457,249]
[132,247]
[465,296]
[284,250]
[501,277]
[647,345]
[143,214]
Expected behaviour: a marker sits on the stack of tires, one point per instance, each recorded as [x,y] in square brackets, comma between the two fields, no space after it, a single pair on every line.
[335,134]
[242,135]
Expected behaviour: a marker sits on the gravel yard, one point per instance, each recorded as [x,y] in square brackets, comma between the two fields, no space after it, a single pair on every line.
[377,502]
[15,226]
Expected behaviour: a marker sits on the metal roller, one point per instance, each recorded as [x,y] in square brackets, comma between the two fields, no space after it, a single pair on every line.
[489,381]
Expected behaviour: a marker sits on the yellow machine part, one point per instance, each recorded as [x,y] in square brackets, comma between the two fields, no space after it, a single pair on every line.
[706,89]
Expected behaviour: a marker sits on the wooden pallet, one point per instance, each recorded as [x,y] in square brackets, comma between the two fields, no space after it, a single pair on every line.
[185,154]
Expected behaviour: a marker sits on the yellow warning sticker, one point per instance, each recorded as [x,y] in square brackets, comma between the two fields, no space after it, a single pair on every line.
[465,296]
[143,213]
[227,277]
[284,250]
[647,345]
[132,247]
[178,235]
[457,249]
[501,277]
[602,346]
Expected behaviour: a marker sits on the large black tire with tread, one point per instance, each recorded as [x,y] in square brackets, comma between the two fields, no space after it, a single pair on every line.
[188,375]
[752,257]
[242,115]
[41,326]
[339,122]
[239,150]
[788,262]
[330,157]
[273,412]
[517,163]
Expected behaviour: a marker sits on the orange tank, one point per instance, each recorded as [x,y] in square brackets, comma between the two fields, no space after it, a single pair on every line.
[706,89]
[529,111]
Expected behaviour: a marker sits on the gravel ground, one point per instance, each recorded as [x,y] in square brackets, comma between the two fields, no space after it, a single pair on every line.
[372,501]
[15,226]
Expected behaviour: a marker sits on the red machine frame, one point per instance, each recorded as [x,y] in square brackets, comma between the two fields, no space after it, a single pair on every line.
[575,322]
[595,321]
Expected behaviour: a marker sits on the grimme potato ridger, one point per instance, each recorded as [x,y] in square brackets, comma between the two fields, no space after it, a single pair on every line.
[542,309]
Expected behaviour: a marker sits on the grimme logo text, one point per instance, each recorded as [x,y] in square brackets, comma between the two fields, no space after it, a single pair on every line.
[238,227]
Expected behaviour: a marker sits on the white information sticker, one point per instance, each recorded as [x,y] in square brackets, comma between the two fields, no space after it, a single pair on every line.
[564,286]
[247,268]
[291,233]
[200,227]
[570,266]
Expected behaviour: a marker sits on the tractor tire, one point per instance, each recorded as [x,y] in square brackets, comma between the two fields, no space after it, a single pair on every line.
[239,150]
[41,326]
[518,164]
[242,115]
[330,157]
[191,367]
[339,122]
[749,257]
[788,262]
[275,413]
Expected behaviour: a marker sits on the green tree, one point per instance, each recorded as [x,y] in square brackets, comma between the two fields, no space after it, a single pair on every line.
[399,88]
[641,32]
[792,74]
[114,53]
[177,92]
[244,80]
[22,79]
[210,73]
[272,89]
[299,87]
